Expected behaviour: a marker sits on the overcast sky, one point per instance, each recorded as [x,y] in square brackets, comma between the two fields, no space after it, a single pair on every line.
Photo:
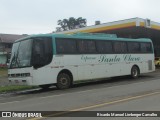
[41,16]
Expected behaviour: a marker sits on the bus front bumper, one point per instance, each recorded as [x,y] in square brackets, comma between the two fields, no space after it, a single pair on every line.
[20,81]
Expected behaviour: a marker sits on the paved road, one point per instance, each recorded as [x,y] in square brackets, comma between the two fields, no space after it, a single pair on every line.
[116,94]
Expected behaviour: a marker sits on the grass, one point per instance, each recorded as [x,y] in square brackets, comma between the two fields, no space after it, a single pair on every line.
[3,72]
[15,88]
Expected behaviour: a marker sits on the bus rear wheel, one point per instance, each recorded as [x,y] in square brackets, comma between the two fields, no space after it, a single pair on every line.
[135,72]
[63,81]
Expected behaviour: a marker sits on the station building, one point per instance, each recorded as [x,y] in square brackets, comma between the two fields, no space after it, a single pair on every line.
[128,28]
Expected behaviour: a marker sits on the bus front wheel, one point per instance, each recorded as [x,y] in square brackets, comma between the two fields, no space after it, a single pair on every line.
[135,72]
[63,81]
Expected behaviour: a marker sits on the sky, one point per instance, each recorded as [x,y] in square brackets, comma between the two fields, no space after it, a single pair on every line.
[41,16]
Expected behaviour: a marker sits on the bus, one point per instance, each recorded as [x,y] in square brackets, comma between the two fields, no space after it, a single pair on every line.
[61,59]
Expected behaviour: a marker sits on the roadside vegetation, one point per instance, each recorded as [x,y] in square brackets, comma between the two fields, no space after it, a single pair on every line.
[3,72]
[12,88]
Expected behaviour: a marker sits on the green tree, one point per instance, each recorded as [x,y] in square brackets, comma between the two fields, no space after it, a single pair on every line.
[72,23]
[64,24]
[81,22]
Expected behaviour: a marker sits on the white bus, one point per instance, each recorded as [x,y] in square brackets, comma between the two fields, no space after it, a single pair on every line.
[60,59]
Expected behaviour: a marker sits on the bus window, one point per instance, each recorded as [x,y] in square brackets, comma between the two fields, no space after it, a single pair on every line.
[86,46]
[133,47]
[91,47]
[82,46]
[66,46]
[146,48]
[24,53]
[120,47]
[42,52]
[104,46]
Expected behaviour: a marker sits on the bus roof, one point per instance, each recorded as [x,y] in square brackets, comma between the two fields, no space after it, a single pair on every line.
[93,36]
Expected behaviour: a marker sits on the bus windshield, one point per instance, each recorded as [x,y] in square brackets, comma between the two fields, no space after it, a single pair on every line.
[21,54]
[36,52]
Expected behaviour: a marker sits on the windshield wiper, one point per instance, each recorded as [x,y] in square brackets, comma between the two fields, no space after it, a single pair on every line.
[14,61]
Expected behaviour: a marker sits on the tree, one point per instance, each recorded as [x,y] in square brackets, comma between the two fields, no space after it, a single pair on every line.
[72,23]
[63,23]
[81,22]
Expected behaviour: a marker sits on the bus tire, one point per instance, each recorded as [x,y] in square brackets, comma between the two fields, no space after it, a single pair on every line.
[135,72]
[63,81]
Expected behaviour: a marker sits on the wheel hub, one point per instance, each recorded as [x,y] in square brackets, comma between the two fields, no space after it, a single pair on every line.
[63,81]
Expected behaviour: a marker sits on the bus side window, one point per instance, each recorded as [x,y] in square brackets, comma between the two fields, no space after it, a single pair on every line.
[149,47]
[133,47]
[91,46]
[86,46]
[66,46]
[104,46]
[120,47]
[82,46]
[60,46]
[146,48]
[42,51]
